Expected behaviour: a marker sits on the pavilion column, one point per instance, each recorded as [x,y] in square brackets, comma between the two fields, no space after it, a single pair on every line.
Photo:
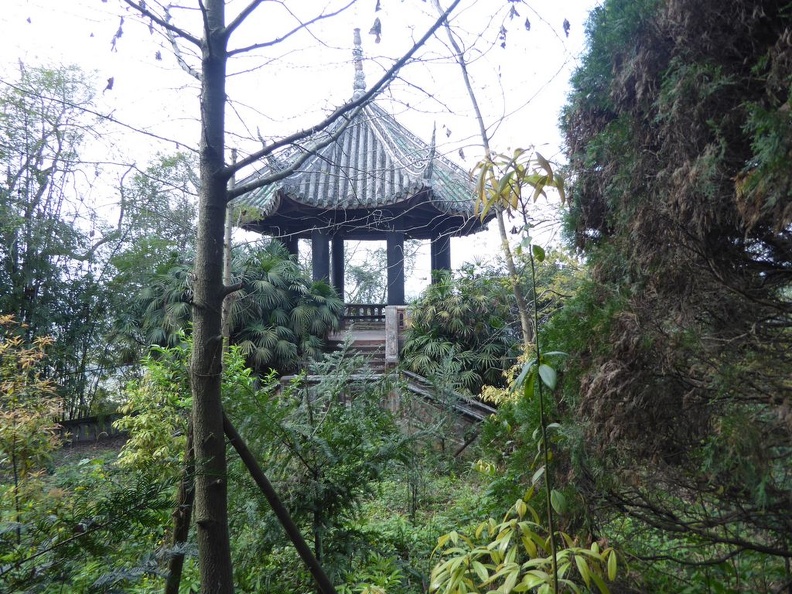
[395,249]
[320,255]
[292,245]
[441,253]
[337,255]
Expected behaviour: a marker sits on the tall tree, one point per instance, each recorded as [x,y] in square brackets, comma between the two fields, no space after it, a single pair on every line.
[47,249]
[679,138]
[209,291]
[149,256]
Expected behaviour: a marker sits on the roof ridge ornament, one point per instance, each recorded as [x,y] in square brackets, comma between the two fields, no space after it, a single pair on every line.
[360,78]
[432,149]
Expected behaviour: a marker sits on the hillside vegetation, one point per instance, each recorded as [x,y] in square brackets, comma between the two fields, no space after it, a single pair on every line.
[679,137]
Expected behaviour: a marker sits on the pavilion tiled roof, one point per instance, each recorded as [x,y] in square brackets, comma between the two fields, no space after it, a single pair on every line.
[375,163]
[366,170]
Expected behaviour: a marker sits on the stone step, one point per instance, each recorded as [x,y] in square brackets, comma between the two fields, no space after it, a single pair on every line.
[372,349]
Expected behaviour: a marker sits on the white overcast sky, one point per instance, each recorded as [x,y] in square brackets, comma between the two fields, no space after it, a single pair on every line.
[292,85]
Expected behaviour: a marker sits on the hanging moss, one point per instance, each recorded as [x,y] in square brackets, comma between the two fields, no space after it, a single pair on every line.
[679,137]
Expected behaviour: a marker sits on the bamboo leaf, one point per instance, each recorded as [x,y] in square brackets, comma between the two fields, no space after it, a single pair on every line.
[548,375]
[559,185]
[527,368]
[539,190]
[583,569]
[529,546]
[481,571]
[558,501]
[537,475]
[612,565]
[553,353]
[545,164]
[505,183]
[600,584]
[511,580]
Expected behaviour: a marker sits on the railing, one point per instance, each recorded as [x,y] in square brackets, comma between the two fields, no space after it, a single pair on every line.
[90,429]
[393,319]
[465,406]
[366,313]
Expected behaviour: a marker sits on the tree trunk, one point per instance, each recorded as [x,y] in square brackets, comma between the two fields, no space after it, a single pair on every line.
[522,303]
[211,481]
[181,518]
[519,296]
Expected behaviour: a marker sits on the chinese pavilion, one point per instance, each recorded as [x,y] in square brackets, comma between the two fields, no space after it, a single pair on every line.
[365,177]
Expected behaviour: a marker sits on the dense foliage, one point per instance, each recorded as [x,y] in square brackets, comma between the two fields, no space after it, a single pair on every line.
[467,322]
[93,525]
[666,438]
[278,317]
[679,132]
[48,276]
[335,455]
[463,322]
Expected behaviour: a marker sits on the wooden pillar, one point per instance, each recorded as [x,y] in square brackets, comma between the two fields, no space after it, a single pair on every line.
[440,253]
[337,256]
[395,249]
[320,255]
[292,244]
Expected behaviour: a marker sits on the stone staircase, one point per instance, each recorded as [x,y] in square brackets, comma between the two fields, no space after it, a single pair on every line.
[367,345]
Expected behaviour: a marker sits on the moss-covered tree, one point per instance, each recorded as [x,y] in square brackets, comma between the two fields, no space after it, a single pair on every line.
[679,135]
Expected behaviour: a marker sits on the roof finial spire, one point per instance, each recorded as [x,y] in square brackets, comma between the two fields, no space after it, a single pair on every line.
[360,79]
[430,160]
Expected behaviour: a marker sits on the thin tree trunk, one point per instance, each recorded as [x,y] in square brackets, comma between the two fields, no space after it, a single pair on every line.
[519,295]
[182,517]
[514,278]
[211,479]
[285,519]
[228,302]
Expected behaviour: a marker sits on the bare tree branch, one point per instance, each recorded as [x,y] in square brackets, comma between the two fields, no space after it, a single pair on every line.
[242,16]
[177,53]
[299,27]
[164,23]
[310,152]
[637,504]
[346,108]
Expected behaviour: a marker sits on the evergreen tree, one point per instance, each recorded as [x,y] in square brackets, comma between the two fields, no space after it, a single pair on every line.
[679,137]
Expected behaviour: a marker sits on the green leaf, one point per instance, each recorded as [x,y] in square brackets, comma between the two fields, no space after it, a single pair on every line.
[559,184]
[442,540]
[583,568]
[505,183]
[545,164]
[554,353]
[480,570]
[527,368]
[538,191]
[511,580]
[558,501]
[528,545]
[528,386]
[538,252]
[548,375]
[537,475]
[532,581]
[612,565]
[600,584]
